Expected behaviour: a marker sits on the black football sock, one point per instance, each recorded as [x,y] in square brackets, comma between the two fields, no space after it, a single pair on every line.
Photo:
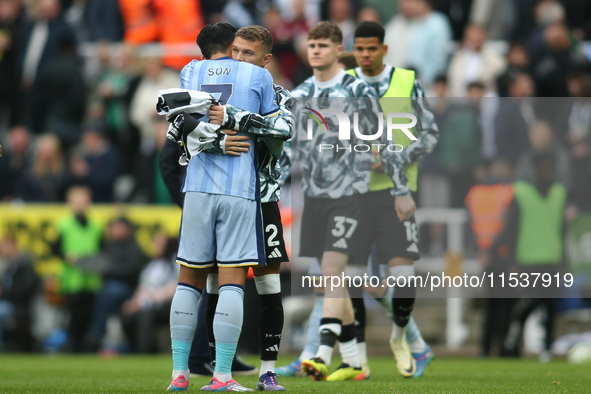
[270,325]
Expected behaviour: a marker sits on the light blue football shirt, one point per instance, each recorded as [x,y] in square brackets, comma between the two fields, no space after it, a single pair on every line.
[242,85]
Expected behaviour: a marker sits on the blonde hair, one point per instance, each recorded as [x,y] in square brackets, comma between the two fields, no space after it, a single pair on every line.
[256,33]
[56,165]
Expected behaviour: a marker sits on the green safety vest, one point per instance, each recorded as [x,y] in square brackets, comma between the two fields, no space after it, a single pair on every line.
[80,241]
[539,238]
[401,85]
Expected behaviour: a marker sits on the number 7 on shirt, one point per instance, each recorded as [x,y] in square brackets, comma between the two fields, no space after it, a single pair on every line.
[220,91]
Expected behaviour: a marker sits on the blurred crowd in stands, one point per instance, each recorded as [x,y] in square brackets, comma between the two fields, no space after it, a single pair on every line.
[508,79]
[104,272]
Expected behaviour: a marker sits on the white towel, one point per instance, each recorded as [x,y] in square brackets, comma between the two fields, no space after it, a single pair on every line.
[182,108]
[172,102]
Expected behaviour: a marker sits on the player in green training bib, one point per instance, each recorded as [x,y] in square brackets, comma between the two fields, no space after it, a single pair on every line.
[395,237]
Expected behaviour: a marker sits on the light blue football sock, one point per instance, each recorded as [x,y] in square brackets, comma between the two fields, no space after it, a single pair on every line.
[313,337]
[183,320]
[227,326]
[412,331]
[386,302]
[223,353]
[416,343]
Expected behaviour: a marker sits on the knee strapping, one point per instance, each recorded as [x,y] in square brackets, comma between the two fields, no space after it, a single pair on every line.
[268,284]
[335,328]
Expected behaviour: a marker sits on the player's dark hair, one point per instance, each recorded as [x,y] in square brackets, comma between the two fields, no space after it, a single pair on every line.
[216,38]
[256,33]
[326,29]
[369,29]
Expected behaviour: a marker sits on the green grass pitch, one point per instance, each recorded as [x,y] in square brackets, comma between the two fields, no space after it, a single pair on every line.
[151,374]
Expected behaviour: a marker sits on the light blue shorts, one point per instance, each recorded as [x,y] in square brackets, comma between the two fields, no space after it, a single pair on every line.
[222,230]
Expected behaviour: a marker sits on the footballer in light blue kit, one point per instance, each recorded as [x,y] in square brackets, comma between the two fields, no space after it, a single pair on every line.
[221,223]
[234,177]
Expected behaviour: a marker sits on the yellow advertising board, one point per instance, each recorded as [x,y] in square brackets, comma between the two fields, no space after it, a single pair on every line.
[35,231]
